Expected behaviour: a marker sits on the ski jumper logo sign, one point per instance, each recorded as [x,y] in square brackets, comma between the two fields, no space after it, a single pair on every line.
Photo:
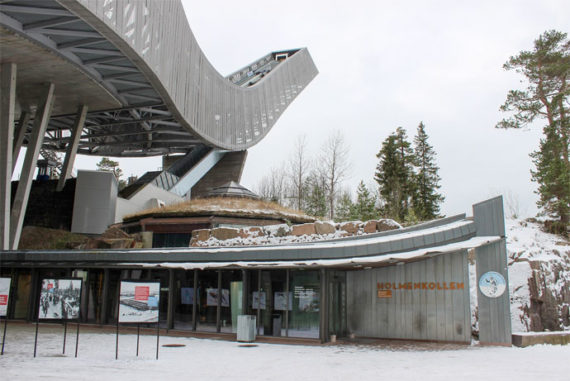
[492,284]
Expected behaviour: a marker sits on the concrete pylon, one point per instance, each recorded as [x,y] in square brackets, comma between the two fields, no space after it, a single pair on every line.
[7,105]
[33,151]
[72,147]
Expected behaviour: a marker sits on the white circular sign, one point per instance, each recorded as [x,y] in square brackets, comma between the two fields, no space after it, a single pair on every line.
[492,284]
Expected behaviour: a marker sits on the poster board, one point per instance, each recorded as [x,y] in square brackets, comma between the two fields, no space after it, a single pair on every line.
[60,299]
[280,301]
[187,295]
[212,297]
[258,301]
[4,295]
[139,302]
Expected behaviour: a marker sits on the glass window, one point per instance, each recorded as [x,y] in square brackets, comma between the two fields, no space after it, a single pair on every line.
[304,318]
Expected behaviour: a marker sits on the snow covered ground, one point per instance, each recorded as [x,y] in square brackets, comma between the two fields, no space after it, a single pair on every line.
[214,360]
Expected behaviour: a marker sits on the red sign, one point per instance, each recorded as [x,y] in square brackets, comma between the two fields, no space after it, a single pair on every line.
[3,300]
[141,293]
[50,286]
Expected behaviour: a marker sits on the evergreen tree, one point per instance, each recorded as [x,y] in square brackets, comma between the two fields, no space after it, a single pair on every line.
[547,70]
[316,199]
[108,165]
[364,207]
[344,208]
[395,175]
[426,200]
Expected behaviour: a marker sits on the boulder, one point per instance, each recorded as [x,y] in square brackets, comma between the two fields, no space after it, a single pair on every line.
[303,229]
[223,234]
[323,228]
[280,230]
[370,226]
[200,235]
[350,227]
[387,224]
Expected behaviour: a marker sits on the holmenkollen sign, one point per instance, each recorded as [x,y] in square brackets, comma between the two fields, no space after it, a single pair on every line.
[385,288]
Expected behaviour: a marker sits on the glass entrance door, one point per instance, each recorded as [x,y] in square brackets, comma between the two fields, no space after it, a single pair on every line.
[337,303]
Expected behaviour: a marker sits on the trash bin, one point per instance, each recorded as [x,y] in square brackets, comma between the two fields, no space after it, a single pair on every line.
[246,328]
[277,325]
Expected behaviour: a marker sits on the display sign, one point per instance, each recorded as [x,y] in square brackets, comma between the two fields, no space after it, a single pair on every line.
[431,286]
[4,295]
[492,284]
[60,299]
[384,294]
[212,297]
[280,301]
[138,302]
[187,295]
[258,301]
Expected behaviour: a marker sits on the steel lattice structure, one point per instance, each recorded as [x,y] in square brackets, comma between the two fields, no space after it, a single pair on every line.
[137,66]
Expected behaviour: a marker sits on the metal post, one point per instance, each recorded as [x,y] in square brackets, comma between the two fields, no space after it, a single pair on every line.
[138,337]
[36,339]
[4,334]
[7,105]
[64,334]
[33,295]
[194,306]
[219,309]
[19,135]
[104,299]
[33,150]
[171,300]
[72,147]
[77,339]
[287,303]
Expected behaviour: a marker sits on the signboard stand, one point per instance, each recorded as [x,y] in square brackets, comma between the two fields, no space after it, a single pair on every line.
[60,300]
[36,339]
[64,335]
[138,302]
[4,297]
[4,334]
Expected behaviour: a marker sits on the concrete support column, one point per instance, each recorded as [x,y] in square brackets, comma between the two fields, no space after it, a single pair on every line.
[105,298]
[7,105]
[171,299]
[34,144]
[219,309]
[72,147]
[19,135]
[195,300]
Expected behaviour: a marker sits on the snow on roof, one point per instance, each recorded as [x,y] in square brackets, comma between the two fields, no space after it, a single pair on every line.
[358,262]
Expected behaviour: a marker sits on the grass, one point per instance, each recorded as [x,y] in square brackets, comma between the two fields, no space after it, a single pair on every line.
[225,206]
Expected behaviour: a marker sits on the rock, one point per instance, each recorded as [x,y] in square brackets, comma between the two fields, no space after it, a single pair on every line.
[387,224]
[114,233]
[200,235]
[303,229]
[280,230]
[223,234]
[350,227]
[370,226]
[323,227]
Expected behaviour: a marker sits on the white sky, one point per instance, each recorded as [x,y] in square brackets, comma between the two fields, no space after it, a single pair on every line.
[385,64]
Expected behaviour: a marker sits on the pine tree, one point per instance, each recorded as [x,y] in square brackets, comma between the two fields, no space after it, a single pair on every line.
[364,207]
[547,70]
[426,200]
[394,175]
[108,165]
[344,208]
[316,199]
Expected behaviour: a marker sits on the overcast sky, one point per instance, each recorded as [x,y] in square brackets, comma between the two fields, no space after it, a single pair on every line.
[384,64]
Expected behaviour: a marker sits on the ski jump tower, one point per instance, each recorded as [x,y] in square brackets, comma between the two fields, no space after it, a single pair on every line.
[128,79]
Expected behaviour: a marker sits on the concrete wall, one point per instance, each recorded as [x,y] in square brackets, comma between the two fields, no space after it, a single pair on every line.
[149,196]
[94,202]
[434,305]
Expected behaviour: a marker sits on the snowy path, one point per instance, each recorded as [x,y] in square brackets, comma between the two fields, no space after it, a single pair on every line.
[214,360]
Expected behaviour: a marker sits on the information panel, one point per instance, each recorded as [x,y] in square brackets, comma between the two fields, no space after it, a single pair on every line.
[4,295]
[138,302]
[60,299]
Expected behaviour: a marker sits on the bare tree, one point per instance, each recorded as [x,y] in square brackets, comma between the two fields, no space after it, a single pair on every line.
[272,187]
[299,168]
[333,163]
